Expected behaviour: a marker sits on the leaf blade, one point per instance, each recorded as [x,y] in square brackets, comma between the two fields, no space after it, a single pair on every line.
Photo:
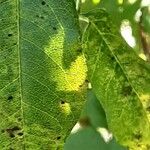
[39,81]
[113,80]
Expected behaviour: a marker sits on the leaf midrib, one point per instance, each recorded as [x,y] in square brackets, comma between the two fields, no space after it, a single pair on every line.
[19,61]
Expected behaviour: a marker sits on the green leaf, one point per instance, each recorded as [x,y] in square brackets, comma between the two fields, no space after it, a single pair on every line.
[94,111]
[120,80]
[42,73]
[88,138]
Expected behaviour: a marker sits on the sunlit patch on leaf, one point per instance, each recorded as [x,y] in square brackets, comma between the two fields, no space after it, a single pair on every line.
[106,135]
[141,55]
[144,97]
[132,1]
[120,2]
[71,78]
[96,1]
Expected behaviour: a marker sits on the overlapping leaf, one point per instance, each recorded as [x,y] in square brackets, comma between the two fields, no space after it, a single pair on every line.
[88,138]
[42,73]
[120,80]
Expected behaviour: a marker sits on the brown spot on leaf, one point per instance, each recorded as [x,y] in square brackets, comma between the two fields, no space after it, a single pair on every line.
[85,121]
[11,131]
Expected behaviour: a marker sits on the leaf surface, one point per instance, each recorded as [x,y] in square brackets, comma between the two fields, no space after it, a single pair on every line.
[42,73]
[88,138]
[120,80]
[94,111]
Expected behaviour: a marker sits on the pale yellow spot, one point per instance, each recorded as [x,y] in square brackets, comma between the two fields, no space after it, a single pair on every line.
[120,2]
[68,79]
[96,1]
[54,49]
[144,97]
[141,55]
[132,1]
[65,108]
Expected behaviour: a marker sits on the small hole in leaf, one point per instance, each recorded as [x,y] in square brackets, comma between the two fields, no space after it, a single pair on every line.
[87,81]
[54,28]
[11,135]
[79,50]
[15,128]
[112,58]
[10,98]
[43,3]
[14,43]
[9,34]
[42,17]
[138,136]
[62,102]
[85,121]
[20,134]
[37,16]
[11,131]
[2,130]
[59,137]
[19,119]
